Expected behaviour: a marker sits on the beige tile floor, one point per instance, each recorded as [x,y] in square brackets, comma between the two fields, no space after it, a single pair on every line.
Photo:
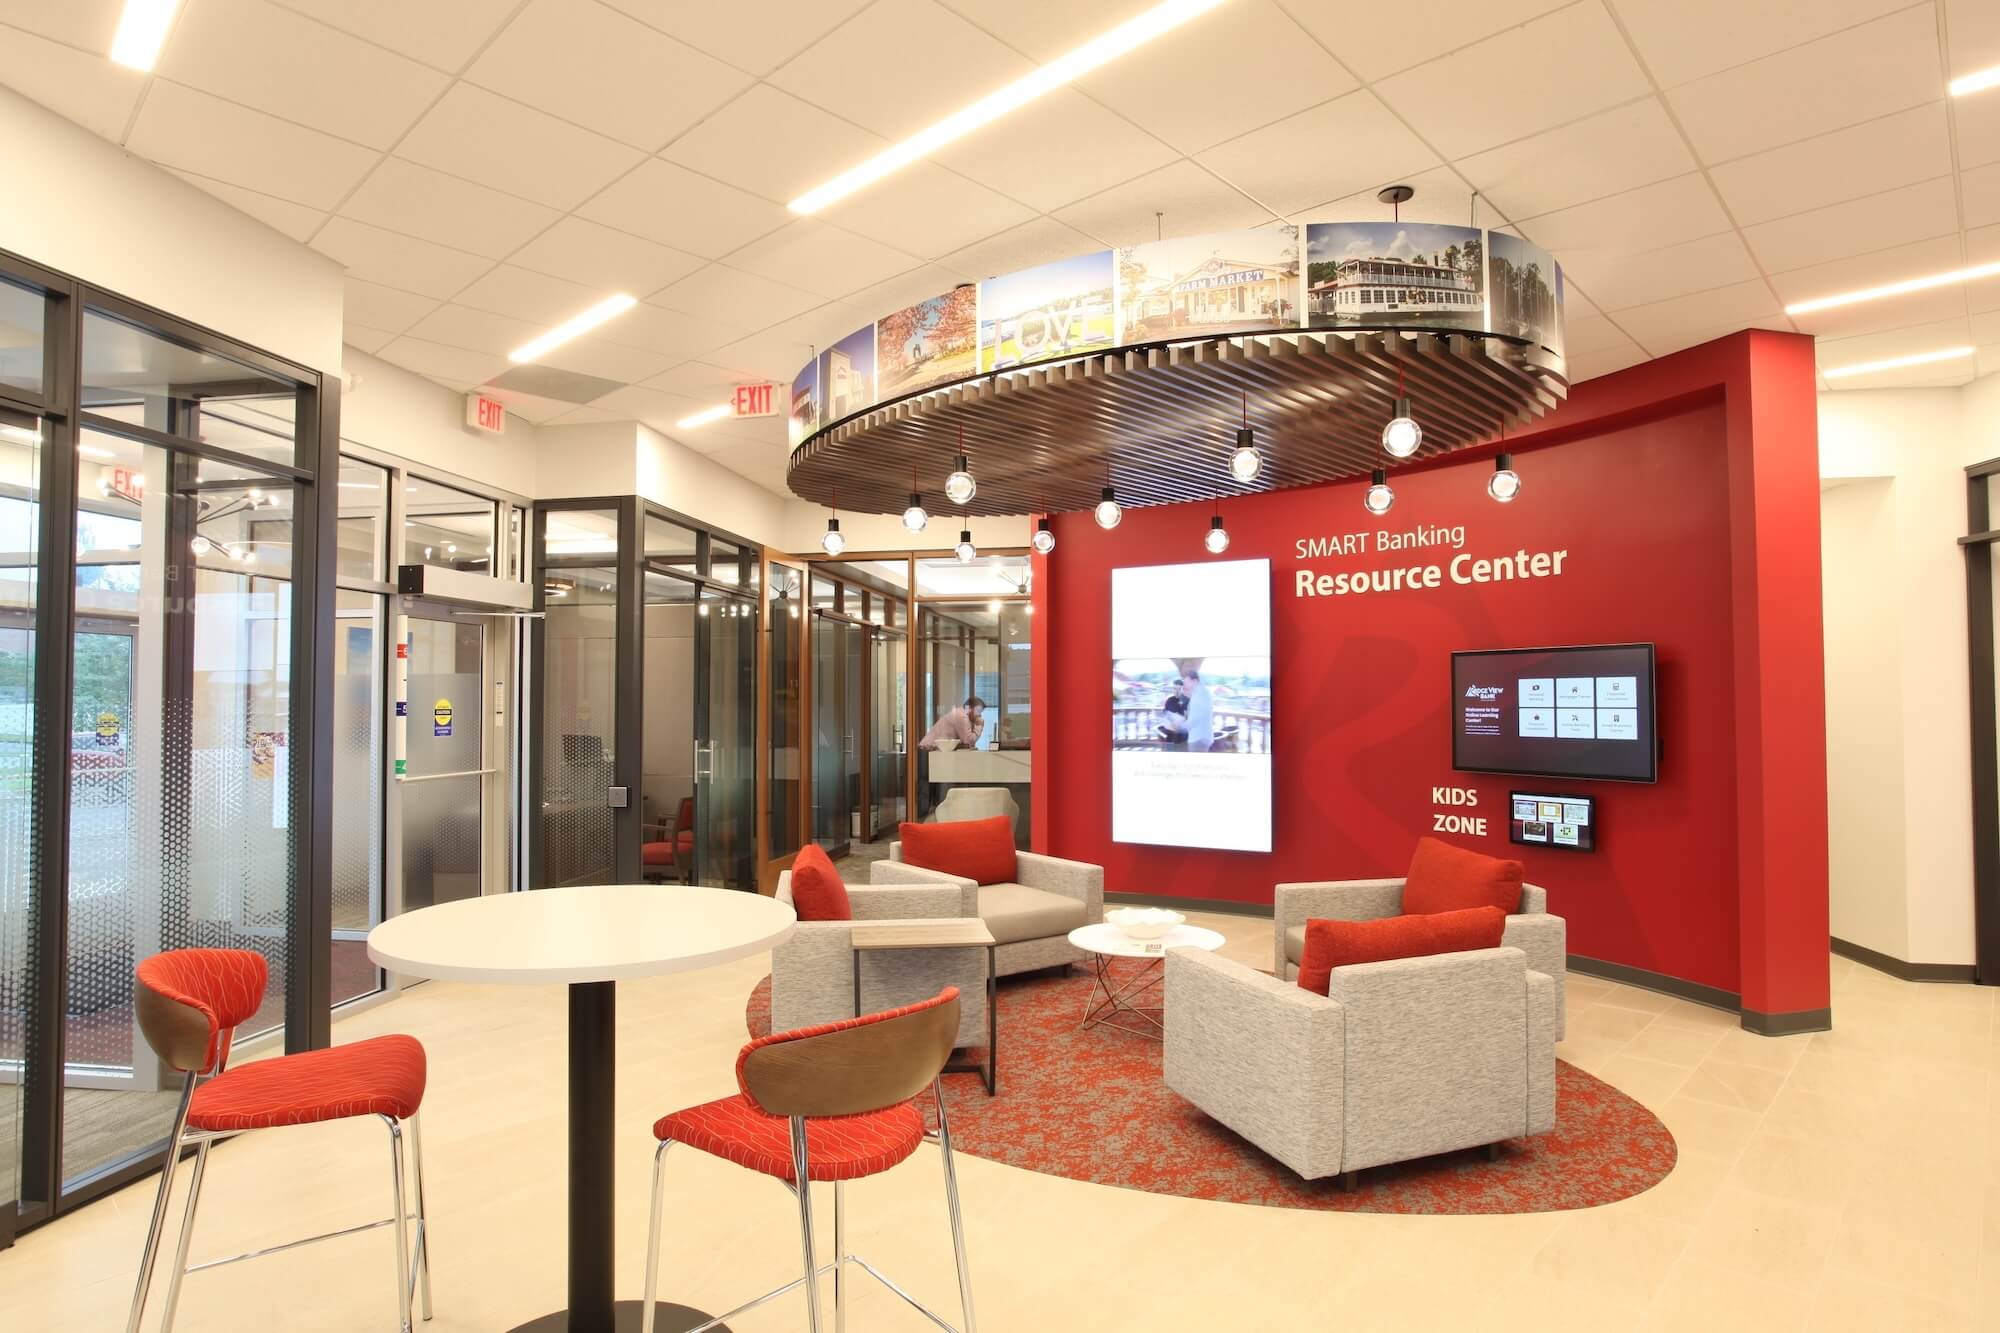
[1841,1181]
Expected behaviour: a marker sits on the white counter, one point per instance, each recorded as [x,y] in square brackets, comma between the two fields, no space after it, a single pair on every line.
[986,768]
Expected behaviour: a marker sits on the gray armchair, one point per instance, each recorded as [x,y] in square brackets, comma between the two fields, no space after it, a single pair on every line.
[1530,928]
[1032,917]
[1399,1060]
[812,970]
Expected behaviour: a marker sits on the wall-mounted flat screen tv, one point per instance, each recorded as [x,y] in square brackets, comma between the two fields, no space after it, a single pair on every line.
[1582,712]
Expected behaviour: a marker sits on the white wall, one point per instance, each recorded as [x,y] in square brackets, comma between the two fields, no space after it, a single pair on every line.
[1894,581]
[676,476]
[79,204]
[388,408]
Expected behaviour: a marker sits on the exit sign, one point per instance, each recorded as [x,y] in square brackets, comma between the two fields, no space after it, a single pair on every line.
[754,400]
[487,414]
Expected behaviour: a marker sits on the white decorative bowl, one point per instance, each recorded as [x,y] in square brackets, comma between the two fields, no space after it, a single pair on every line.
[948,744]
[1144,923]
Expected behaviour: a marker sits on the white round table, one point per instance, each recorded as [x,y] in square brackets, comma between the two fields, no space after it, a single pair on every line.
[587,938]
[1105,942]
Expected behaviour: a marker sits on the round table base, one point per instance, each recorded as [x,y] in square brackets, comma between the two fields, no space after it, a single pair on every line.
[667,1318]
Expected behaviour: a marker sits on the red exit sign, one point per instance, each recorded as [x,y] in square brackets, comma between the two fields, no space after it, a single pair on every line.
[754,400]
[487,414]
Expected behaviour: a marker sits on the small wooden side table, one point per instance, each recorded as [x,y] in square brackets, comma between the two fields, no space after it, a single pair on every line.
[954,932]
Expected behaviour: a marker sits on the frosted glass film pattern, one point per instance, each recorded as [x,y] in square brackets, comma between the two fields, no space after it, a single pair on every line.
[20,516]
[579,726]
[358,710]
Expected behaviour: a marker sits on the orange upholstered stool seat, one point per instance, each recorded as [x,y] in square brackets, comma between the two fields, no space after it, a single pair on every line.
[845,1147]
[382,1076]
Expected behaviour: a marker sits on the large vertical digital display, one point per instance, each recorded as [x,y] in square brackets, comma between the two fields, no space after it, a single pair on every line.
[1191,725]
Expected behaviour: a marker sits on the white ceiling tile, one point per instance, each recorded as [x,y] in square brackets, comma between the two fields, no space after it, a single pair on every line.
[1989,359]
[474,330]
[925,210]
[503,144]
[1870,270]
[772,144]
[1025,246]
[775,354]
[1593,333]
[1668,326]
[405,197]
[1982,246]
[1576,305]
[1857,75]
[1975,35]
[1981,190]
[1015,157]
[605,71]
[1865,159]
[1046,29]
[178,127]
[1192,199]
[757,38]
[1441,196]
[1908,341]
[384,308]
[1976,121]
[599,256]
[274,60]
[451,364]
[900,65]
[674,206]
[441,33]
[1617,281]
[1547,72]
[1648,218]
[605,359]
[281,215]
[678,337]
[396,260]
[1616,150]
[699,381]
[652,407]
[732,297]
[76,85]
[1893,217]
[1985,327]
[1376,41]
[1678,39]
[1604,361]
[1330,150]
[535,297]
[816,256]
[367,340]
[86,24]
[885,298]
[1218,76]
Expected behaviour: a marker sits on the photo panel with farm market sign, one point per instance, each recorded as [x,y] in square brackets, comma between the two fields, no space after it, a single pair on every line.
[1527,291]
[847,375]
[1226,282]
[1052,310]
[1418,274]
[804,418]
[928,342]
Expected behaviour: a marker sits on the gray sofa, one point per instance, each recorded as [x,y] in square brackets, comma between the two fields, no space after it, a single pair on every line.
[1543,938]
[1399,1060]
[1031,917]
[812,970]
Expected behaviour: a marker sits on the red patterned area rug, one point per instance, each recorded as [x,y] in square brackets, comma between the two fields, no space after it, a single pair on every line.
[1092,1106]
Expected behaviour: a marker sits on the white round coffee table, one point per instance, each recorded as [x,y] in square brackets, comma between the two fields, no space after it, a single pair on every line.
[1112,1000]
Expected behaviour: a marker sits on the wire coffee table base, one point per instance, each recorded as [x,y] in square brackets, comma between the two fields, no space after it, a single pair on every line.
[1112,1001]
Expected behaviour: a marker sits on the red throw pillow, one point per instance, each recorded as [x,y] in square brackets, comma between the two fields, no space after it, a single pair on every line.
[1331,944]
[817,891]
[1444,878]
[981,850]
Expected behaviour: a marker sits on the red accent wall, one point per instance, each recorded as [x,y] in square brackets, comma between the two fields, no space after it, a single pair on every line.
[1686,493]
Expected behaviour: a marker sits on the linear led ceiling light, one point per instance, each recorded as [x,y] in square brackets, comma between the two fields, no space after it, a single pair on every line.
[703,417]
[1977,82]
[142,31]
[1130,35]
[1902,288]
[1897,362]
[609,308]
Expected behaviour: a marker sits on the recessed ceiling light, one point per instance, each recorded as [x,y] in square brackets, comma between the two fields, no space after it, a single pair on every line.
[1902,288]
[703,417]
[142,31]
[609,308]
[1977,82]
[1897,362]
[1136,32]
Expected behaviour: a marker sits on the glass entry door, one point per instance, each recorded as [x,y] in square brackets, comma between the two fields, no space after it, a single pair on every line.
[444,783]
[839,666]
[888,729]
[725,759]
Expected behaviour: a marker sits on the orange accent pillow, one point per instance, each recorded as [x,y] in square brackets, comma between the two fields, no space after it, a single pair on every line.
[817,891]
[1444,878]
[1331,944]
[981,850]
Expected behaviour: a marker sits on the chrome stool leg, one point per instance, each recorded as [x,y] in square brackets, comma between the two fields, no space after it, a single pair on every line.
[158,1225]
[187,1238]
[839,1256]
[653,1236]
[423,1222]
[803,1178]
[957,1221]
[401,1228]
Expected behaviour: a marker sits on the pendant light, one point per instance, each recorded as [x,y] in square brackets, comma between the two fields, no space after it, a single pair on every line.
[1505,483]
[965,550]
[1108,513]
[1379,497]
[959,487]
[1044,539]
[833,543]
[1217,537]
[1246,462]
[914,518]
[1402,436]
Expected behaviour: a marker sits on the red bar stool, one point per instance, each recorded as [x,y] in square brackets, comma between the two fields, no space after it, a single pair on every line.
[190,1002]
[828,1103]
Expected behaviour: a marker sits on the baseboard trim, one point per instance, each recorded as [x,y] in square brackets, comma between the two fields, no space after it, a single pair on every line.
[1959,973]
[1788,1024]
[1226,905]
[1712,996]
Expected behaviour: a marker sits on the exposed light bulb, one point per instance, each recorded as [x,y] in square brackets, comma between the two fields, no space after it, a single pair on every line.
[1379,496]
[1505,483]
[914,518]
[1246,462]
[833,543]
[1044,539]
[965,550]
[1402,436]
[201,545]
[1108,514]
[1217,538]
[959,486]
